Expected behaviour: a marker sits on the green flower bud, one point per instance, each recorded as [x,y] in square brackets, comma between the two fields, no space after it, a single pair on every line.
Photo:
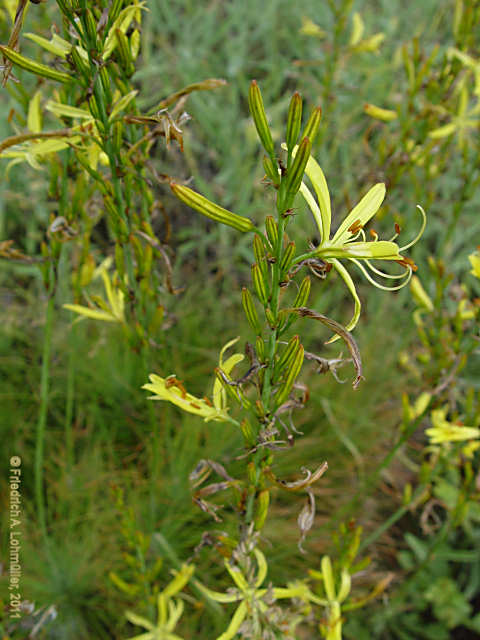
[311,128]
[210,209]
[297,170]
[34,67]
[271,228]
[259,284]
[287,258]
[303,293]
[263,501]
[271,171]
[294,120]
[259,117]
[290,377]
[250,311]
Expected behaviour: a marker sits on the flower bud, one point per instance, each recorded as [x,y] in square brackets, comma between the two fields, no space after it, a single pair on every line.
[247,432]
[380,114]
[291,375]
[294,120]
[263,501]
[34,67]
[259,117]
[289,354]
[125,53]
[210,209]
[250,311]
[259,284]
[297,170]
[287,258]
[260,256]
[303,293]
[271,170]
[271,228]
[311,128]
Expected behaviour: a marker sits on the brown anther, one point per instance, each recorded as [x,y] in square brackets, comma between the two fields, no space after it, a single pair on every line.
[355,226]
[397,228]
[373,233]
[407,262]
[207,401]
[195,406]
[172,381]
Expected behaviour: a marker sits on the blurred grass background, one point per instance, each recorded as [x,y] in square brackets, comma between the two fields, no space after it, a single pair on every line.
[122,442]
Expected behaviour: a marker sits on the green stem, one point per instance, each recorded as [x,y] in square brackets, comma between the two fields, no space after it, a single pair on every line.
[42,417]
[70,401]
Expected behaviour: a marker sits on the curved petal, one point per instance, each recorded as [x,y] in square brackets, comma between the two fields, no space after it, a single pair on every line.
[235,622]
[361,213]
[314,208]
[262,567]
[317,178]
[346,277]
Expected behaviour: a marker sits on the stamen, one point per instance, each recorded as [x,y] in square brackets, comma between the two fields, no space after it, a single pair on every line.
[407,262]
[384,274]
[377,284]
[374,234]
[420,233]
[355,227]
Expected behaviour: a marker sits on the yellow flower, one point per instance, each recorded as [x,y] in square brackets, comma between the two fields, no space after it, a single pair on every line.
[169,610]
[444,431]
[249,593]
[112,310]
[463,123]
[345,244]
[173,391]
[475,262]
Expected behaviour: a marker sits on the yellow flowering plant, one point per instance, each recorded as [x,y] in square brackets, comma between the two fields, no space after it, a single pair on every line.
[256,398]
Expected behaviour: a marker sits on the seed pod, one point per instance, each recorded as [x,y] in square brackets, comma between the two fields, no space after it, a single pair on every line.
[257,110]
[260,255]
[311,128]
[210,209]
[250,311]
[259,284]
[34,67]
[294,120]
[289,353]
[287,258]
[297,170]
[263,501]
[291,376]
[271,228]
[271,171]
[303,293]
